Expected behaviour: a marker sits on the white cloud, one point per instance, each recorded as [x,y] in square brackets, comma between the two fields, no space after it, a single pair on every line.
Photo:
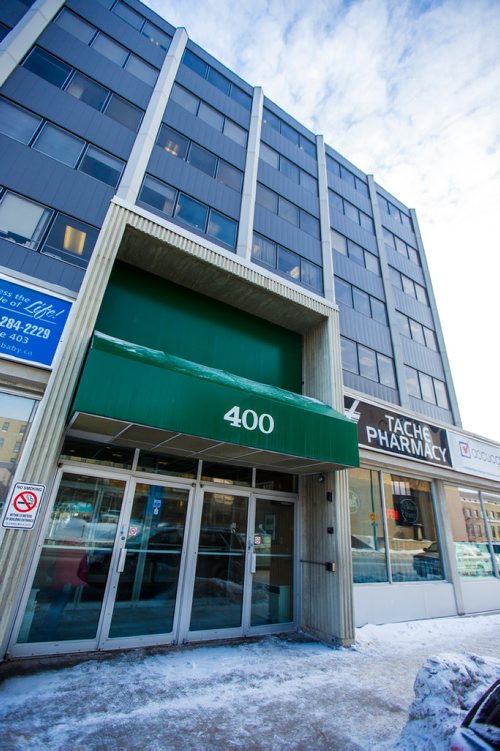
[408,91]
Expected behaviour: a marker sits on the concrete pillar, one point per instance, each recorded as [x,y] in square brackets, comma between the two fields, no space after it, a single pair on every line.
[324,219]
[245,230]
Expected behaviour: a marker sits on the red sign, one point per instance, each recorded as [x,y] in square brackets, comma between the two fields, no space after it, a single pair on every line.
[24,502]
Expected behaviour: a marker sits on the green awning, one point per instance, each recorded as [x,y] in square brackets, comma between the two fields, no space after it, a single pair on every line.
[128,382]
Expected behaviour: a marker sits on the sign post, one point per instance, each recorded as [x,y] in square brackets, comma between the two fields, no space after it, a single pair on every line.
[22,506]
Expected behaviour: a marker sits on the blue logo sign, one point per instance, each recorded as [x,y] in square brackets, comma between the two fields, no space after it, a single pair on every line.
[31,323]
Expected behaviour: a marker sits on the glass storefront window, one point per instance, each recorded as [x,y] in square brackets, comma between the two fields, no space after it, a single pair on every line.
[167,465]
[492,511]
[469,532]
[97,453]
[367,529]
[226,474]
[16,416]
[414,550]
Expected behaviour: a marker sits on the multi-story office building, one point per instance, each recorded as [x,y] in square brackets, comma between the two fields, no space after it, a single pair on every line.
[221,354]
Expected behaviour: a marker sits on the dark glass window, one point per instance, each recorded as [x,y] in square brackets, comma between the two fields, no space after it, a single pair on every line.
[172,142]
[102,166]
[229,175]
[367,363]
[167,465]
[271,120]
[264,251]
[288,211]
[289,263]
[47,66]
[266,198]
[193,62]
[289,169]
[87,91]
[70,240]
[361,301]
[192,212]
[311,275]
[218,80]
[308,146]
[17,123]
[4,30]
[202,159]
[239,96]
[309,224]
[343,292]
[97,453]
[222,228]
[270,480]
[289,133]
[124,113]
[59,145]
[158,195]
[226,474]
[349,355]
[386,371]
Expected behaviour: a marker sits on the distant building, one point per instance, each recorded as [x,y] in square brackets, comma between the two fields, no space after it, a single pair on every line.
[221,341]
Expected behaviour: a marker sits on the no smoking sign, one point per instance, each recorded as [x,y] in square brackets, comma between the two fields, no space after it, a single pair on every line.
[22,507]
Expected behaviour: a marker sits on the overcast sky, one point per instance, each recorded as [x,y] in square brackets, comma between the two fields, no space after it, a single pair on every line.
[408,91]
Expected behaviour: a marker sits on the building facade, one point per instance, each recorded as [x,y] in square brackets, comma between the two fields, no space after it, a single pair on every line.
[228,404]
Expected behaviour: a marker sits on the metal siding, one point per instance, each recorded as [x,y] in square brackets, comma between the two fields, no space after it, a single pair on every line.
[43,268]
[352,195]
[213,96]
[401,230]
[407,267]
[345,162]
[370,388]
[288,149]
[289,120]
[365,330]
[353,231]
[286,234]
[278,182]
[217,65]
[435,413]
[411,307]
[359,276]
[422,358]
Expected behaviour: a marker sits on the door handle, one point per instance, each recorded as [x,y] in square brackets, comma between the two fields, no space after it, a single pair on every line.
[253,565]
[121,561]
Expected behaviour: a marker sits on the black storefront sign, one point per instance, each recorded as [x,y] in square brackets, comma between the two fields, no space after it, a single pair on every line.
[382,429]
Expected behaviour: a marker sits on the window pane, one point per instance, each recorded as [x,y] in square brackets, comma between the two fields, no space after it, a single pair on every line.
[351,212]
[367,527]
[288,211]
[386,371]
[184,99]
[222,228]
[48,67]
[367,363]
[16,412]
[59,145]
[128,15]
[289,263]
[202,160]
[335,202]
[361,301]
[412,255]
[271,120]
[403,324]
[343,292]
[266,198]
[395,277]
[110,49]
[268,155]
[141,70]
[311,275]
[70,240]
[349,355]
[289,169]
[365,221]
[172,142]
[193,62]
[192,212]
[356,253]
[289,133]
[339,242]
[414,549]
[218,80]
[102,166]
[362,187]
[408,286]
[75,25]
[430,339]
[309,224]
[308,182]
[157,194]
[124,113]
[156,36]
[400,246]
[427,388]
[441,395]
[388,237]
[417,333]
[4,30]
[332,166]
[264,251]
[229,175]
[421,294]
[469,533]
[87,91]
[22,221]
[378,310]
[211,116]
[17,123]
[347,176]
[412,383]
[371,263]
[239,96]
[235,133]
[308,146]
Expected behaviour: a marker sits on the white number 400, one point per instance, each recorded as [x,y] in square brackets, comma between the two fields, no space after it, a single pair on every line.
[249,420]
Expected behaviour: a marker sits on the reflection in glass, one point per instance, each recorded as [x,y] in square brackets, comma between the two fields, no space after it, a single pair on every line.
[367,527]
[415,553]
[147,588]
[272,582]
[16,414]
[469,532]
[68,589]
[220,566]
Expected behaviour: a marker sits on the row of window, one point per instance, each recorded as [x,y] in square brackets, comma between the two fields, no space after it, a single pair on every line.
[388,208]
[424,387]
[155,35]
[37,227]
[171,202]
[395,243]
[354,252]
[365,362]
[362,302]
[192,61]
[106,46]
[339,170]
[54,71]
[57,143]
[280,126]
[288,168]
[416,331]
[350,211]
[286,262]
[209,115]
[408,286]
[271,201]
[180,146]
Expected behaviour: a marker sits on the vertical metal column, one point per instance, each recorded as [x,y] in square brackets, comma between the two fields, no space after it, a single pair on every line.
[245,229]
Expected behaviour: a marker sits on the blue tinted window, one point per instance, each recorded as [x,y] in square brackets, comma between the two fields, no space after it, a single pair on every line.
[128,15]
[266,198]
[289,263]
[229,175]
[47,66]
[308,146]
[192,212]
[367,363]
[124,113]
[194,63]
[202,159]
[141,70]
[335,202]
[356,253]
[264,251]
[351,212]
[386,371]
[308,182]
[343,292]
[378,310]
[442,396]
[289,169]
[87,91]
[218,80]
[349,355]
[75,25]
[311,275]
[222,228]
[158,195]
[59,145]
[17,123]
[309,224]
[102,166]
[288,211]
[184,99]
[239,96]
[269,156]
[4,30]
[235,133]
[110,49]
[211,116]
[365,221]
[156,36]
[172,142]
[271,120]
[289,133]
[361,301]
[371,263]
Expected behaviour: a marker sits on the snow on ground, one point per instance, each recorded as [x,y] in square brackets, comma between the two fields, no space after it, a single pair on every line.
[276,694]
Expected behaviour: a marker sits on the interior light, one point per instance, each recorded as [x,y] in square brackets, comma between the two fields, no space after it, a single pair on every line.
[295,272]
[172,148]
[74,240]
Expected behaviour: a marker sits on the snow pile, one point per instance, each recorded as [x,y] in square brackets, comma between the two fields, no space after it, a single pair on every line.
[446,687]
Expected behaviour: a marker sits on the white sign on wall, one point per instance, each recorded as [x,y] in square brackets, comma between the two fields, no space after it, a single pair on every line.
[473,456]
[22,506]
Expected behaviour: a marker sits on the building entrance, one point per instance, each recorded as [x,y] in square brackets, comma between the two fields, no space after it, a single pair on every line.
[126,561]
